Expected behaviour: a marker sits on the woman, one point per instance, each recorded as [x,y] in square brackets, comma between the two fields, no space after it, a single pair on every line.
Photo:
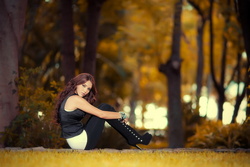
[75,101]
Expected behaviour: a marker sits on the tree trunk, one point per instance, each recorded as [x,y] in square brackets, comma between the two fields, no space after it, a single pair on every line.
[248,92]
[94,11]
[172,70]
[219,87]
[244,15]
[237,105]
[221,90]
[12,18]
[240,95]
[211,47]
[67,48]
[200,32]
[200,67]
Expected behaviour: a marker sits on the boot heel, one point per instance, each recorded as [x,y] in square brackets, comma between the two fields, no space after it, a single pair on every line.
[131,135]
[138,147]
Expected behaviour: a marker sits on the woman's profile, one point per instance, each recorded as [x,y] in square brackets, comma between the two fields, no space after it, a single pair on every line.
[75,101]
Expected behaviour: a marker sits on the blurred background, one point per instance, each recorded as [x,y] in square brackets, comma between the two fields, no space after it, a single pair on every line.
[178,68]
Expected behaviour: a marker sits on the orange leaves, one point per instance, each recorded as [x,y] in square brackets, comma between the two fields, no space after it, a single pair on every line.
[213,134]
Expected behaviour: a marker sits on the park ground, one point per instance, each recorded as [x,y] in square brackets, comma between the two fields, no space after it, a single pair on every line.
[41,157]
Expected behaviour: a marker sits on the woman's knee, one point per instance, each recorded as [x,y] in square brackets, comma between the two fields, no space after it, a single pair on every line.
[106,107]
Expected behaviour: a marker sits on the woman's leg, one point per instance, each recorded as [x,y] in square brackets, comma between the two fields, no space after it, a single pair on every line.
[94,128]
[131,135]
[78,142]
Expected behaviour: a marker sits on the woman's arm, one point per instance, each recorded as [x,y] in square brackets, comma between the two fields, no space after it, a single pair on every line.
[75,101]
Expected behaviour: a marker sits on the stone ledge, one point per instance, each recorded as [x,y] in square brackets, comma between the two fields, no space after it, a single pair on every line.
[236,150]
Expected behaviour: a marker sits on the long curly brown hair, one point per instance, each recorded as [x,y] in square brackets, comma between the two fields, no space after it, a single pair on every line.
[70,89]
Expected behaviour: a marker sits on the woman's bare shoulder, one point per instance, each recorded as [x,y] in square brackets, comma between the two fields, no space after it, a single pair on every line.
[75,99]
[72,102]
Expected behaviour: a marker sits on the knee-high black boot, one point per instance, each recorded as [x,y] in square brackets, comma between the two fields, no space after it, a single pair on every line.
[133,137]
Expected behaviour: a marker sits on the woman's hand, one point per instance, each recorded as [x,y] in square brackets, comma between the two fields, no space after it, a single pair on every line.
[125,121]
[124,117]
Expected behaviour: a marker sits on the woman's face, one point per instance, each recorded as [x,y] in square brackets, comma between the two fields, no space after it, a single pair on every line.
[83,89]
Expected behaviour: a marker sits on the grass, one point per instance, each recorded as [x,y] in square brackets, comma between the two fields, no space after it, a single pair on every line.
[129,158]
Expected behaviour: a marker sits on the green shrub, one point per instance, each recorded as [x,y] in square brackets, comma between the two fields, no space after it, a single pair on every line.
[34,125]
[213,134]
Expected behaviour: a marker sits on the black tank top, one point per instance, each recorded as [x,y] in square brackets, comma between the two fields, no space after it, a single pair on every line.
[71,121]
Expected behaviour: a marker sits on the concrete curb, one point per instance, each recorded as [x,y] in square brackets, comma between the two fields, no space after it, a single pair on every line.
[237,150]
